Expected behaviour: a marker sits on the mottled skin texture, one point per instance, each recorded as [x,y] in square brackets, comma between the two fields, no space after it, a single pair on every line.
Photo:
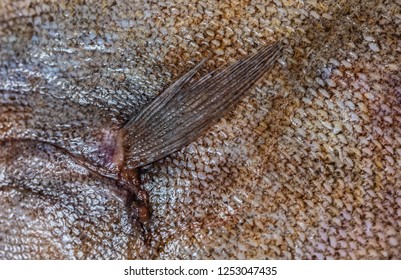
[308,166]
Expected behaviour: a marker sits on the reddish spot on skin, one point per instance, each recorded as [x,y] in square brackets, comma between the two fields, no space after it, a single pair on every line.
[141,213]
[128,178]
[110,152]
[111,164]
[139,198]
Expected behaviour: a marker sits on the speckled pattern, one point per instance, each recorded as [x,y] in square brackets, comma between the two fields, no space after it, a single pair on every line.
[307,166]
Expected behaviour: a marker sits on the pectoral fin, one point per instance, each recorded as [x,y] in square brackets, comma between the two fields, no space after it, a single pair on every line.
[181,114]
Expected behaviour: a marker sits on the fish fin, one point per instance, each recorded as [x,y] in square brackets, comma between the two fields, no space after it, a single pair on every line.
[154,108]
[181,114]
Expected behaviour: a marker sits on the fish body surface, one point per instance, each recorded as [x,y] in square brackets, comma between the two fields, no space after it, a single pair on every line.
[307,166]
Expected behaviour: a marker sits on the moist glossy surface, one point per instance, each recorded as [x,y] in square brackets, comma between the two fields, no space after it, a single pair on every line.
[308,166]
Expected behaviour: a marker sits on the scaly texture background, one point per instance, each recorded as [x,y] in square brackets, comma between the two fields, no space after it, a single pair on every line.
[307,166]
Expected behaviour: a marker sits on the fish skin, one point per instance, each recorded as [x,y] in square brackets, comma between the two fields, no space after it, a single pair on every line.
[306,167]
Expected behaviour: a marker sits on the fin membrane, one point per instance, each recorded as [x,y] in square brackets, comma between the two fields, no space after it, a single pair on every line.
[184,111]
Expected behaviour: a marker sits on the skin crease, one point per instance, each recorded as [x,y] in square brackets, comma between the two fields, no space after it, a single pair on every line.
[307,166]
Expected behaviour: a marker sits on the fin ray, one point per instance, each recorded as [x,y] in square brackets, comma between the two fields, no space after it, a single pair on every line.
[181,114]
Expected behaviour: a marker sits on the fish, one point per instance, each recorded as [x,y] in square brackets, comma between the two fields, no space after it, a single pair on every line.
[174,119]
[306,166]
